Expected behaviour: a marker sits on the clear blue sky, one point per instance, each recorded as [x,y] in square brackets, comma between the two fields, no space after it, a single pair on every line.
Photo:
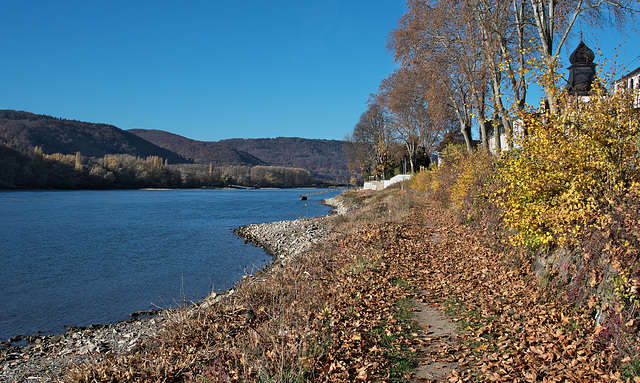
[207,70]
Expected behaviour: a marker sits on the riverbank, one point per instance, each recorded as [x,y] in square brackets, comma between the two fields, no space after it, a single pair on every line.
[397,290]
[46,358]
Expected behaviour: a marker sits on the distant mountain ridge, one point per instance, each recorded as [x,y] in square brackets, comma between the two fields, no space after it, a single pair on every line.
[323,158]
[22,131]
[200,152]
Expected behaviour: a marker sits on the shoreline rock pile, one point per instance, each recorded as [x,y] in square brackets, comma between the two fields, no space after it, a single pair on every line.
[338,205]
[45,358]
[285,240]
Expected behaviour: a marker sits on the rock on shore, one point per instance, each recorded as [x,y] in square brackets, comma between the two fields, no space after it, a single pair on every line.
[46,357]
[339,205]
[285,239]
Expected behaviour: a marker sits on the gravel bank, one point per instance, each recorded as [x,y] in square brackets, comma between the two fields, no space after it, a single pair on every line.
[46,357]
[339,206]
[285,240]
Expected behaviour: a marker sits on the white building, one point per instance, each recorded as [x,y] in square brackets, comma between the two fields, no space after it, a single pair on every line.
[380,185]
[630,82]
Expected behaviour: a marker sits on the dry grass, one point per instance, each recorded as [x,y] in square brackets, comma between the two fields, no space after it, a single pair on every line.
[272,329]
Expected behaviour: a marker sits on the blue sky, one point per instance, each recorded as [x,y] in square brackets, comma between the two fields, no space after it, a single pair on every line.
[207,70]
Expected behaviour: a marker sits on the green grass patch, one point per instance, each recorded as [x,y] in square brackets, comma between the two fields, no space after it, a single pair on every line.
[401,283]
[401,359]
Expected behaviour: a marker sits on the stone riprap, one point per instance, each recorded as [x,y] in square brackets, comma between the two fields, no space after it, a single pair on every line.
[285,239]
[45,358]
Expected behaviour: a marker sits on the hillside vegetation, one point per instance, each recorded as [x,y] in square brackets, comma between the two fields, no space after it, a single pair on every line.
[47,152]
[323,158]
[200,152]
[23,131]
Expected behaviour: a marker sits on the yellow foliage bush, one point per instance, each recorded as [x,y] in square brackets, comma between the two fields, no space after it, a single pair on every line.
[459,176]
[421,181]
[569,167]
[473,171]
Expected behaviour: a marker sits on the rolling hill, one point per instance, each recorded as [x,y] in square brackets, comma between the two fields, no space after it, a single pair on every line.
[22,131]
[200,152]
[325,159]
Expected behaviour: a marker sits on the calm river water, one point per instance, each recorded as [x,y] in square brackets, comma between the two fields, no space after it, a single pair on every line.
[77,258]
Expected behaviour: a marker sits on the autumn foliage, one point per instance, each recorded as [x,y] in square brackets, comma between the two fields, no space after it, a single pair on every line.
[567,198]
[570,167]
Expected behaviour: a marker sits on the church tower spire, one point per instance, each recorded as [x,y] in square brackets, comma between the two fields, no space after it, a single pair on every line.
[582,70]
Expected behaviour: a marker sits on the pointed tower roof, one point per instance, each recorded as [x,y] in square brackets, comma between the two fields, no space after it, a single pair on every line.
[582,70]
[583,55]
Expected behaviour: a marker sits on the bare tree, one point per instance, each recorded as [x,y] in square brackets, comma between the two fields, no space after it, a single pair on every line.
[505,30]
[413,120]
[438,39]
[367,147]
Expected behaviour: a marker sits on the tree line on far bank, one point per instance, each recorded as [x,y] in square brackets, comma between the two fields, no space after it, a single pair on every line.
[60,171]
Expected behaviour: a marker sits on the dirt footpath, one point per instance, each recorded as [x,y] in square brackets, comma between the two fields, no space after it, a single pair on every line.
[483,314]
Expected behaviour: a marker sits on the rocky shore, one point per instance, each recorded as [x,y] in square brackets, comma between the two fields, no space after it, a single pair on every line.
[285,239]
[46,358]
[339,206]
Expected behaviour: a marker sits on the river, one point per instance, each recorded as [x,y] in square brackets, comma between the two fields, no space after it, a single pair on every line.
[75,258]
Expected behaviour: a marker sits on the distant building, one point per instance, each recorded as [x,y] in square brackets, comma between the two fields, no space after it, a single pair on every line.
[630,82]
[380,185]
[582,72]
[518,132]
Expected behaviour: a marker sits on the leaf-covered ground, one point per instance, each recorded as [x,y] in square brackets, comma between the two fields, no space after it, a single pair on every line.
[346,312]
[510,329]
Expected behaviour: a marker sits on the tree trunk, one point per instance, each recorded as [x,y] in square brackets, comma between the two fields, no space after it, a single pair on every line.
[483,135]
[465,129]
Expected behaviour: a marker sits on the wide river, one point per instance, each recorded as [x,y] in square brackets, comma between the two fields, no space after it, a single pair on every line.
[75,258]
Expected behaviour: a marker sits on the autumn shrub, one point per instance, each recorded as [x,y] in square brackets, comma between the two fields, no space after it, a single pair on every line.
[572,185]
[459,180]
[569,167]
[437,181]
[474,172]
[421,180]
[446,174]
[612,246]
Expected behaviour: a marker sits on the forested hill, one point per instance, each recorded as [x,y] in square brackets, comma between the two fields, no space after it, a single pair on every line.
[201,152]
[22,131]
[321,157]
